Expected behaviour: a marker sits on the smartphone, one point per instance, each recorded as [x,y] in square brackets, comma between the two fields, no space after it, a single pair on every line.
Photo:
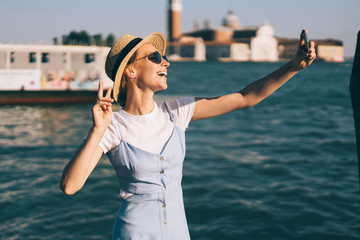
[304,35]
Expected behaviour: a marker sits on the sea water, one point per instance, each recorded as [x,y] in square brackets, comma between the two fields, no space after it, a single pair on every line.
[283,169]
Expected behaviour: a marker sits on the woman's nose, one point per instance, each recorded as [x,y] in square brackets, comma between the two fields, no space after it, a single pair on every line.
[165,62]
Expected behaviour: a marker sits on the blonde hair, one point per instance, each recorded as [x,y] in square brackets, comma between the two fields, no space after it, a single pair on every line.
[123,84]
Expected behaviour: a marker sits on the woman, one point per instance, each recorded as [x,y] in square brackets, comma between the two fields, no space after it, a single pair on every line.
[145,140]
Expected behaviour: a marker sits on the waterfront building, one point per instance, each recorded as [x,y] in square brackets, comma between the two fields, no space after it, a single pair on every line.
[174,19]
[329,50]
[229,42]
[233,42]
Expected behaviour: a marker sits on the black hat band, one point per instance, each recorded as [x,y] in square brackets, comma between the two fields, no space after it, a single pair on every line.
[123,54]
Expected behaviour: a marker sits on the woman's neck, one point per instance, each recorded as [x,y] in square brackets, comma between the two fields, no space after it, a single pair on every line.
[139,104]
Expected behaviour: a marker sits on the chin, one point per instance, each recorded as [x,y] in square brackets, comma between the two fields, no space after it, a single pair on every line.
[161,88]
[164,85]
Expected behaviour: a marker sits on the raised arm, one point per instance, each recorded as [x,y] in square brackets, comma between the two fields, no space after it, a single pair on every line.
[256,91]
[88,155]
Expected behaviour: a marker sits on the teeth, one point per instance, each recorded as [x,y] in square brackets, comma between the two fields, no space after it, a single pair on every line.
[162,73]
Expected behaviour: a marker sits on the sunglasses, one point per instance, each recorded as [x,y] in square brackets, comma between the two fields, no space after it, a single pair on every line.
[155,57]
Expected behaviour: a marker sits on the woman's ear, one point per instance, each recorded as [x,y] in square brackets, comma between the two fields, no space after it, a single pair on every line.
[129,72]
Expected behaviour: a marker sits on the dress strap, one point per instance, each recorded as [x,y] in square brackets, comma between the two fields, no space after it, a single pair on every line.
[170,115]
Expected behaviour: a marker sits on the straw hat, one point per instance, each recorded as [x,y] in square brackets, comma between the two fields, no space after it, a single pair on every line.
[121,52]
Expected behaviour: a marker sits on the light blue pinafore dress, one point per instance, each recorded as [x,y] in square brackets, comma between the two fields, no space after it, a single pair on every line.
[155,211]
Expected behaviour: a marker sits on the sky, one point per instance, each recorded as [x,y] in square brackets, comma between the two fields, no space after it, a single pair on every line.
[39,21]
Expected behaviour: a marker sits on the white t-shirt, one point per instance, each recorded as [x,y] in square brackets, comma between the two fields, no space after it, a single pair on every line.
[151,131]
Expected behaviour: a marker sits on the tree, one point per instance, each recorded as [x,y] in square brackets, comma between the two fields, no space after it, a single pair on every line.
[65,39]
[55,41]
[73,38]
[84,38]
[77,38]
[98,39]
[110,40]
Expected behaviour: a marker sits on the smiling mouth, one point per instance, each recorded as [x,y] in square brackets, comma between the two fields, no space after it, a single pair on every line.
[162,74]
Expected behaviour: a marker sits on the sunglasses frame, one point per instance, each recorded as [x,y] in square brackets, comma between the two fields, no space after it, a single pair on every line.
[154,57]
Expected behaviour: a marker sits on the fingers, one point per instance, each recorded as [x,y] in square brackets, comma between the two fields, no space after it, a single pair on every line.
[100,91]
[312,45]
[104,100]
[107,97]
[108,92]
[104,103]
[311,54]
[304,57]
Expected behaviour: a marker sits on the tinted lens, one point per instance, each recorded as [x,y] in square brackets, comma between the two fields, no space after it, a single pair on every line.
[165,58]
[155,57]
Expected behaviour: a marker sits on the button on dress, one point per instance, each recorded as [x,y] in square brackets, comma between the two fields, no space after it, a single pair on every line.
[155,211]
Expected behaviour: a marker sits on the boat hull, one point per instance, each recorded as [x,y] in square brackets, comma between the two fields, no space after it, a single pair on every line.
[47,97]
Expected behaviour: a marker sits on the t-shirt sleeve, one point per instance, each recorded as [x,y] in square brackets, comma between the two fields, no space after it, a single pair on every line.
[182,110]
[111,138]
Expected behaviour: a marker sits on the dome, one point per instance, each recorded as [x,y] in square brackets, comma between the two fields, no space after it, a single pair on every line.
[266,29]
[231,20]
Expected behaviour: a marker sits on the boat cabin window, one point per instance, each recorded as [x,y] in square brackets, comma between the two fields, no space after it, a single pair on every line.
[45,57]
[89,57]
[12,57]
[32,57]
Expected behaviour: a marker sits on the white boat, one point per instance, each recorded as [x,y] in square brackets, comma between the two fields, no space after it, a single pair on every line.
[51,73]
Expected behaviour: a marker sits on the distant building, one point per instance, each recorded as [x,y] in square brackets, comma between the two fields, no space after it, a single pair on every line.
[174,19]
[229,42]
[233,42]
[329,50]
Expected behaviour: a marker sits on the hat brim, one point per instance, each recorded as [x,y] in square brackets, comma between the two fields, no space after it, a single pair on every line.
[156,39]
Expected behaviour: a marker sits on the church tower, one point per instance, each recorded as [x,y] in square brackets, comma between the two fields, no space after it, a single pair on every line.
[174,19]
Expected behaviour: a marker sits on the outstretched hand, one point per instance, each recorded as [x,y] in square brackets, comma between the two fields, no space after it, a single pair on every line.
[102,110]
[302,58]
